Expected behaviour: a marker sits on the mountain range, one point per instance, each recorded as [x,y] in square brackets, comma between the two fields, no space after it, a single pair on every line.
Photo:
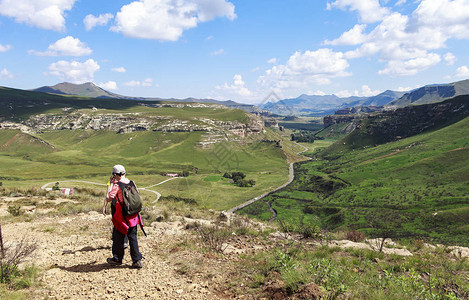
[311,105]
[307,105]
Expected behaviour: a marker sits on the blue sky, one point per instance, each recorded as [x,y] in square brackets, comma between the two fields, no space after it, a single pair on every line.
[239,50]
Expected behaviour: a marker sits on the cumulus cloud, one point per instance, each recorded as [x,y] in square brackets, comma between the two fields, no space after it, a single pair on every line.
[5,74]
[451,17]
[462,72]
[411,66]
[110,85]
[119,70]
[369,11]
[301,69]
[146,83]
[68,46]
[354,36]
[407,43]
[45,14]
[5,48]
[73,71]
[237,88]
[365,91]
[166,20]
[91,21]
[450,58]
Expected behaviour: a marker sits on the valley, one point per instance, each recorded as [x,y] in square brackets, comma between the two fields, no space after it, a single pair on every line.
[377,191]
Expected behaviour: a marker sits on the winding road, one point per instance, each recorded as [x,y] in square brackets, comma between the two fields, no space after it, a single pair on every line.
[290,179]
[234,209]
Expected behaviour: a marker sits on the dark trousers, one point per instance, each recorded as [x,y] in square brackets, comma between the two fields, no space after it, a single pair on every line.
[118,244]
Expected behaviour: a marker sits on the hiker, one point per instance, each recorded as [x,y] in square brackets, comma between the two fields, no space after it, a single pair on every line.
[123,225]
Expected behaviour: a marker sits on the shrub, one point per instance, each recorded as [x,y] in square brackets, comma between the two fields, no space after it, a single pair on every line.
[11,257]
[355,236]
[213,238]
[14,210]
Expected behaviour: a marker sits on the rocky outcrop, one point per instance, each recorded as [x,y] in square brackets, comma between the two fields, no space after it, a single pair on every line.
[270,122]
[132,122]
[113,122]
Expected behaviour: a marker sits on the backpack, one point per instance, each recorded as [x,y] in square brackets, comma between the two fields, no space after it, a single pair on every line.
[132,203]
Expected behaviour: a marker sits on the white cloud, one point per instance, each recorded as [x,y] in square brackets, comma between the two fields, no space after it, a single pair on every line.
[406,43]
[451,17]
[146,83]
[209,37]
[272,61]
[365,91]
[462,72]
[218,52]
[91,21]
[369,11]
[354,36]
[450,58]
[5,74]
[401,2]
[110,85]
[411,66]
[45,14]
[316,67]
[167,19]
[5,48]
[405,89]
[67,46]
[74,71]
[119,70]
[236,89]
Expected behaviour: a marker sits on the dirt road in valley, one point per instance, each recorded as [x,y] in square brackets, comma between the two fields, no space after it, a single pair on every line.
[290,179]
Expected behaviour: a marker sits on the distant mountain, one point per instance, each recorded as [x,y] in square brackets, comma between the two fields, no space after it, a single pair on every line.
[378,100]
[90,89]
[432,94]
[304,105]
[327,104]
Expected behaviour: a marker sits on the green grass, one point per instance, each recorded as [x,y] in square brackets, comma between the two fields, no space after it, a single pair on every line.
[35,159]
[414,187]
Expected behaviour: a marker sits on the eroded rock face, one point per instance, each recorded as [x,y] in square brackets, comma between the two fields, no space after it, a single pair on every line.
[131,122]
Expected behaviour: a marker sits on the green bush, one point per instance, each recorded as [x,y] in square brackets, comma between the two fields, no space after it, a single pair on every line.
[14,210]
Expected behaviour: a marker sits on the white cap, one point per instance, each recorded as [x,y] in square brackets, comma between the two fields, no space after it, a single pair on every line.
[118,169]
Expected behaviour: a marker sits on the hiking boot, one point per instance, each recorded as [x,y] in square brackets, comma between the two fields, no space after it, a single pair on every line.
[113,262]
[137,264]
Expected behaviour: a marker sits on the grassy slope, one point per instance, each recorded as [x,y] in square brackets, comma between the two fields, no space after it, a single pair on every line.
[86,155]
[413,187]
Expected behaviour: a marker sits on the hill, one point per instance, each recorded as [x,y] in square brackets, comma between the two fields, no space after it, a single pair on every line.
[432,93]
[91,90]
[411,186]
[49,137]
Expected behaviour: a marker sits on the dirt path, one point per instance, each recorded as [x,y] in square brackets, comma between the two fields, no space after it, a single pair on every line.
[73,251]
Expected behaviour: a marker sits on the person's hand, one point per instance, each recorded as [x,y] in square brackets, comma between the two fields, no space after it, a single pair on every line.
[104,210]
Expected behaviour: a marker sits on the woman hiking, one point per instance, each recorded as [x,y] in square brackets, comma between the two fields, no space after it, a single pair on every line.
[123,225]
